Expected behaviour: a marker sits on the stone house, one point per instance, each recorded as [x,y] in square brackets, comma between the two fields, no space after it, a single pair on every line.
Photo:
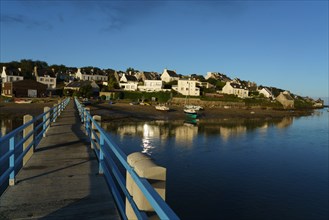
[286,100]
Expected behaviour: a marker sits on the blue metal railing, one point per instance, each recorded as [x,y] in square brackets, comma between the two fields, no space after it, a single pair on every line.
[14,140]
[107,153]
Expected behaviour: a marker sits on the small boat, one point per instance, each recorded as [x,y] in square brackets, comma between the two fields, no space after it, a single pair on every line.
[195,107]
[162,108]
[23,101]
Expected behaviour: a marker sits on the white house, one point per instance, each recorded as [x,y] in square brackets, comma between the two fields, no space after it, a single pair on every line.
[11,75]
[235,89]
[91,75]
[128,82]
[266,92]
[46,77]
[151,86]
[188,87]
[169,75]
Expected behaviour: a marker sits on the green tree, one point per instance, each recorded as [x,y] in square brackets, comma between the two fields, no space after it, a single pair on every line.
[112,83]
[86,91]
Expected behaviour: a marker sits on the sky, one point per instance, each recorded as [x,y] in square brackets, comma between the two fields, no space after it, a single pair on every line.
[273,43]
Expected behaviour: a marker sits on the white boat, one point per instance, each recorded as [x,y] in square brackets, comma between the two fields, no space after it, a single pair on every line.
[190,111]
[195,107]
[162,108]
[23,101]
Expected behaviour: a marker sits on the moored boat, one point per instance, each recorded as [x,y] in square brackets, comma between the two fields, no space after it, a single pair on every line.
[162,108]
[23,101]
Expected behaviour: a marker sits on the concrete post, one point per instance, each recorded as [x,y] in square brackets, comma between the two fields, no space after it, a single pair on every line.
[98,119]
[145,168]
[26,131]
[46,118]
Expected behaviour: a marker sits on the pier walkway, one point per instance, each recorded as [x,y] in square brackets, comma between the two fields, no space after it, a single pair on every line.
[61,179]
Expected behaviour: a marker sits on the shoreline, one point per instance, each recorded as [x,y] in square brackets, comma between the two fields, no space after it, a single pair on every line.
[124,112]
[121,111]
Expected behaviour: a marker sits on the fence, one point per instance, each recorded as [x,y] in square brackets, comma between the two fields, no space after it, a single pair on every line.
[22,141]
[109,157]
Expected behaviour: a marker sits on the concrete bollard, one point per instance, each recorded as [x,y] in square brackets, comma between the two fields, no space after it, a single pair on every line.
[98,119]
[45,109]
[26,131]
[145,168]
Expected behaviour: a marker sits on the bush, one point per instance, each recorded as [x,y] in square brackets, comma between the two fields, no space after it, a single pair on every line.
[160,96]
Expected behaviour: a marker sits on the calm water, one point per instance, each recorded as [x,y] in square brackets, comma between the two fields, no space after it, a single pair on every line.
[238,169]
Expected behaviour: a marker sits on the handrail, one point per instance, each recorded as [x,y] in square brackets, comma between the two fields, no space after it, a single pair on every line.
[15,141]
[104,148]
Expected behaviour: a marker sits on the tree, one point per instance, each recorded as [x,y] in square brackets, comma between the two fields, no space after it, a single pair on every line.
[112,83]
[86,91]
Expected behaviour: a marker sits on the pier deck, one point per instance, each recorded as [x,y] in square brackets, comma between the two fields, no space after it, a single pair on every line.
[61,179]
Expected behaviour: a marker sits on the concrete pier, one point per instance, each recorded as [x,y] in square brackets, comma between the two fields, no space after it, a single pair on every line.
[61,179]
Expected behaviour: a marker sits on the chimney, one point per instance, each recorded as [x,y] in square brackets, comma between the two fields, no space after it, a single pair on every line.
[20,69]
[35,71]
[3,69]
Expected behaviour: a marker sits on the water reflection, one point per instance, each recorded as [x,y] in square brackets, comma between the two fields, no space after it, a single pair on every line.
[186,132]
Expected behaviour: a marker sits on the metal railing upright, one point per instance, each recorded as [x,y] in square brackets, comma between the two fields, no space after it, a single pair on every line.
[19,142]
[109,156]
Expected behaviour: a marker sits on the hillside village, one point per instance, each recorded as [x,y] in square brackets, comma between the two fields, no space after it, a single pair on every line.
[31,79]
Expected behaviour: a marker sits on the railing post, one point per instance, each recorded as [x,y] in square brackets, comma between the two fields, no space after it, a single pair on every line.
[87,122]
[98,119]
[101,154]
[28,141]
[54,113]
[12,161]
[145,168]
[58,108]
[46,120]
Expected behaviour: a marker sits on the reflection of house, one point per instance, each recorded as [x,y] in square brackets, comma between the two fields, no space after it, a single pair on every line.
[188,87]
[235,89]
[226,133]
[151,86]
[10,74]
[169,75]
[285,122]
[186,134]
[91,74]
[266,92]
[286,100]
[128,82]
[24,88]
[46,77]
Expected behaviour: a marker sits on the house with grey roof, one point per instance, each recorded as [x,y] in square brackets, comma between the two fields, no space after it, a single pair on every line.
[45,76]
[91,74]
[286,100]
[128,82]
[11,74]
[169,75]
[235,89]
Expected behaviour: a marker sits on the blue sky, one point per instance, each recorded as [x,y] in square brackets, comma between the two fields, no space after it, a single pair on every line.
[273,43]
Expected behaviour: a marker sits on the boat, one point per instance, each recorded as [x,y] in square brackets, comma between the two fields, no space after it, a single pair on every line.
[162,108]
[23,101]
[195,107]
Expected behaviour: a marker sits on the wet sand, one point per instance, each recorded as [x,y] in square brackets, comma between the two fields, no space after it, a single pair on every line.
[125,112]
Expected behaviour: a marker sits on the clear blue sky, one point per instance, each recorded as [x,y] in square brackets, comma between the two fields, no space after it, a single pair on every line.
[273,43]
